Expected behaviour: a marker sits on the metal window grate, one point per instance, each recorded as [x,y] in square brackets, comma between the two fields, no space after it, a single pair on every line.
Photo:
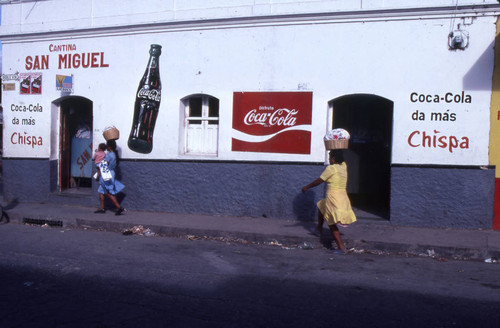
[52,223]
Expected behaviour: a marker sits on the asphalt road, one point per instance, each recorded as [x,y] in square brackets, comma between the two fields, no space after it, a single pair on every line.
[54,277]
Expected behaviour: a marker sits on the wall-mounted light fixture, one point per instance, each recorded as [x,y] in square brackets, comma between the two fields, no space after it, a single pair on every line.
[458,39]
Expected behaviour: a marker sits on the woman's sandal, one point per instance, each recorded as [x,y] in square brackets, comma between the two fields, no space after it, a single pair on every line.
[100,210]
[339,251]
[120,211]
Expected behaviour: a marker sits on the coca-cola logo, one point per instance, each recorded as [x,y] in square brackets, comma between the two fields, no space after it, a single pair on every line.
[152,94]
[269,121]
[279,117]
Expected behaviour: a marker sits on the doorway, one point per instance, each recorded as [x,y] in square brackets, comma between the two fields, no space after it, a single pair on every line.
[369,120]
[75,144]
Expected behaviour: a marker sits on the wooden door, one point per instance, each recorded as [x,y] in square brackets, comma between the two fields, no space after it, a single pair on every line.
[65,152]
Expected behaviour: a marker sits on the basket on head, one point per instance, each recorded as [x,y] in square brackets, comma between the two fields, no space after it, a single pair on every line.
[337,139]
[337,144]
[111,133]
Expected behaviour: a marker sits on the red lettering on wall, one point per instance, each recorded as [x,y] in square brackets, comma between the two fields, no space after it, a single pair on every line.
[102,61]
[84,60]
[37,62]
[436,140]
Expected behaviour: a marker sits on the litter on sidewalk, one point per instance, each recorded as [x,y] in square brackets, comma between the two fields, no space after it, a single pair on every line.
[139,230]
[306,245]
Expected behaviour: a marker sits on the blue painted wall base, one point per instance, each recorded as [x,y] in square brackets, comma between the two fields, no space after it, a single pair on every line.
[238,189]
[444,197]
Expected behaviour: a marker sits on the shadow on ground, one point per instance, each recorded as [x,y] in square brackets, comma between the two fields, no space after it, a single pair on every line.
[31,298]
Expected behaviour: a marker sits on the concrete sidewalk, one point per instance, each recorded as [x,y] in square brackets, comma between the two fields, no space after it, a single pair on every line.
[366,235]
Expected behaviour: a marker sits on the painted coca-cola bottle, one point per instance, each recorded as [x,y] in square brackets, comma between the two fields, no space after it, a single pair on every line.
[147,105]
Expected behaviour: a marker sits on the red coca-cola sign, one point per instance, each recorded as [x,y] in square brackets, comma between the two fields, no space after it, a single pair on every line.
[272,122]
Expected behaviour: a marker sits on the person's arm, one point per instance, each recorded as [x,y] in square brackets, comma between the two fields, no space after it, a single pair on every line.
[313,184]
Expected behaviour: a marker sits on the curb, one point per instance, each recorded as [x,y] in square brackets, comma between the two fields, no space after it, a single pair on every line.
[433,251]
[356,244]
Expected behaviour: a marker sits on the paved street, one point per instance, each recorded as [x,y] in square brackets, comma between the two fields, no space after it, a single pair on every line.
[55,277]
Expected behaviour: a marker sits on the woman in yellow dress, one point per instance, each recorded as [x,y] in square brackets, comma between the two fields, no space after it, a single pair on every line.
[335,208]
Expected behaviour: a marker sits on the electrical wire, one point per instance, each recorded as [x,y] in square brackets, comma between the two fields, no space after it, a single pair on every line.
[452,22]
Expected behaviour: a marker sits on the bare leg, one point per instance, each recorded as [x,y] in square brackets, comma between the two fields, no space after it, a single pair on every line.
[336,236]
[114,201]
[321,219]
[101,201]
[101,204]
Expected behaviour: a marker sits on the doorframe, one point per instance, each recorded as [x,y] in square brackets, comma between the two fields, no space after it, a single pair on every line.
[57,137]
[365,97]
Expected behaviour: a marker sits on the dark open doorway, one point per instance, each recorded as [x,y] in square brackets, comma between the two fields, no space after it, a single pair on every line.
[368,118]
[75,147]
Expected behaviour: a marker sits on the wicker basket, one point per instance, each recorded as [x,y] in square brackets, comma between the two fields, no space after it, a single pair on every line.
[337,144]
[111,133]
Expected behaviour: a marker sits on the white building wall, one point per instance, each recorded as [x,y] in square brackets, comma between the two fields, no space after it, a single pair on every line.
[39,16]
[389,57]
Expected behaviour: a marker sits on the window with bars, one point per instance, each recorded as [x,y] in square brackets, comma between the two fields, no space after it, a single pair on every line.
[201,124]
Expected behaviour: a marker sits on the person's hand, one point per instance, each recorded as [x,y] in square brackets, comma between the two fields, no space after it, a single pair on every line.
[304,189]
